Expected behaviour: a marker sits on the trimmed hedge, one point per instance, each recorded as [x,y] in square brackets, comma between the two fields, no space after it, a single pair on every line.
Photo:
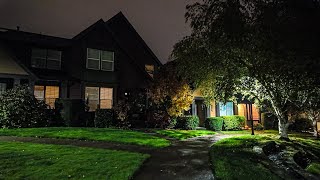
[187,122]
[103,118]
[214,123]
[234,122]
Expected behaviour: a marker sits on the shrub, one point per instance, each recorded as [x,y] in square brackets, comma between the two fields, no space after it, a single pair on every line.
[172,123]
[121,110]
[214,123]
[258,127]
[20,109]
[233,122]
[301,124]
[103,118]
[187,122]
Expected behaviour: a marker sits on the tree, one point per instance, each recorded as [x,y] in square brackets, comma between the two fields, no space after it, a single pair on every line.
[171,91]
[262,47]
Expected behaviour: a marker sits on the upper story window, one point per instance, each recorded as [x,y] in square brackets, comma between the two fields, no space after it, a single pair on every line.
[150,69]
[46,58]
[100,60]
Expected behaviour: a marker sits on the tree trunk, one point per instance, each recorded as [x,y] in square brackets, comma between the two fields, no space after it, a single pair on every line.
[315,128]
[283,129]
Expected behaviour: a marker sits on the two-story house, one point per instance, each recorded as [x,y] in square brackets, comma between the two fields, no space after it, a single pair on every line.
[100,64]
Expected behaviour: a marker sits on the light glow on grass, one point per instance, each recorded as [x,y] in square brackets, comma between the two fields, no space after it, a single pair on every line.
[184,134]
[39,161]
[96,134]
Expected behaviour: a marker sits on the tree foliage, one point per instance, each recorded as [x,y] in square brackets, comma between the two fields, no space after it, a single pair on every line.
[263,48]
[171,91]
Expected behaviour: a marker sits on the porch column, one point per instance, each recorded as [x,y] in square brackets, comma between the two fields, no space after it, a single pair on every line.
[64,90]
[194,108]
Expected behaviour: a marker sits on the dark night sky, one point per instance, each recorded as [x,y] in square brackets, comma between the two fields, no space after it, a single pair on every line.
[160,23]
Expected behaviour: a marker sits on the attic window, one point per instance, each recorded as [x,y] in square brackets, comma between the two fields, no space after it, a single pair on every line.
[100,60]
[150,69]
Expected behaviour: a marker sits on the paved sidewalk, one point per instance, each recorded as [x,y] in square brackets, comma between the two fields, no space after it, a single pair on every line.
[188,159]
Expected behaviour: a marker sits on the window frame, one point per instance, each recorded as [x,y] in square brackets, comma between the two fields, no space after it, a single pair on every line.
[44,94]
[100,60]
[46,59]
[99,96]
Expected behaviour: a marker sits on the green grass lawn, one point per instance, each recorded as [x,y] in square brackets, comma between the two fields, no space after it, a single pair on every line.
[38,161]
[234,158]
[184,134]
[96,134]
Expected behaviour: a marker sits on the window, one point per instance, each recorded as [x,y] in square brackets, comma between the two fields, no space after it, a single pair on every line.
[100,60]
[48,94]
[99,96]
[46,59]
[150,69]
[3,87]
[226,109]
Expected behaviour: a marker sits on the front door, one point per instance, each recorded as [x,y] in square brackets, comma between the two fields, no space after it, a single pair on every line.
[201,110]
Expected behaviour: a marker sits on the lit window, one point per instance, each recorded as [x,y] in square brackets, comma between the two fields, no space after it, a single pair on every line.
[3,87]
[48,94]
[106,98]
[226,109]
[100,60]
[99,96]
[46,58]
[150,69]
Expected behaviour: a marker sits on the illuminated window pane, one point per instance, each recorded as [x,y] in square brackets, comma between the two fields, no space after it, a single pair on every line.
[39,92]
[93,54]
[226,109]
[106,98]
[92,96]
[51,94]
[150,69]
[255,112]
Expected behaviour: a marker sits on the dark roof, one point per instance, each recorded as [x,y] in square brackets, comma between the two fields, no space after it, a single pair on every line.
[115,25]
[17,35]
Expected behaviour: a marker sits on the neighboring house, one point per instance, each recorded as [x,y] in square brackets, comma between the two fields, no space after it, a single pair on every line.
[243,108]
[100,64]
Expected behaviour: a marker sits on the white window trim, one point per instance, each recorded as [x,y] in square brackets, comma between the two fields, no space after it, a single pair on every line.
[100,60]
[112,61]
[92,59]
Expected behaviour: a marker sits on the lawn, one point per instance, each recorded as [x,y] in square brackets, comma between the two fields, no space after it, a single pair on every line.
[96,134]
[184,134]
[234,158]
[38,161]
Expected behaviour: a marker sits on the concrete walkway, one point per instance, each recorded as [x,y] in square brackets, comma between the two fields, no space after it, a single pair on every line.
[185,160]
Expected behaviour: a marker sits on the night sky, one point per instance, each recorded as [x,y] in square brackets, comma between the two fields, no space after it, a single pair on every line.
[160,23]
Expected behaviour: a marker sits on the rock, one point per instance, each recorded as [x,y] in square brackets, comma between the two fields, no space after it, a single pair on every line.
[257,149]
[302,158]
[271,148]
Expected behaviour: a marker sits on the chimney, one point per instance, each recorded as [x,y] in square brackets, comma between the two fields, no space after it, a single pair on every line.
[18,28]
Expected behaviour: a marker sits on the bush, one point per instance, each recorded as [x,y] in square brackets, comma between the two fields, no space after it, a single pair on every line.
[258,127]
[172,123]
[233,122]
[20,109]
[301,124]
[187,122]
[214,123]
[103,118]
